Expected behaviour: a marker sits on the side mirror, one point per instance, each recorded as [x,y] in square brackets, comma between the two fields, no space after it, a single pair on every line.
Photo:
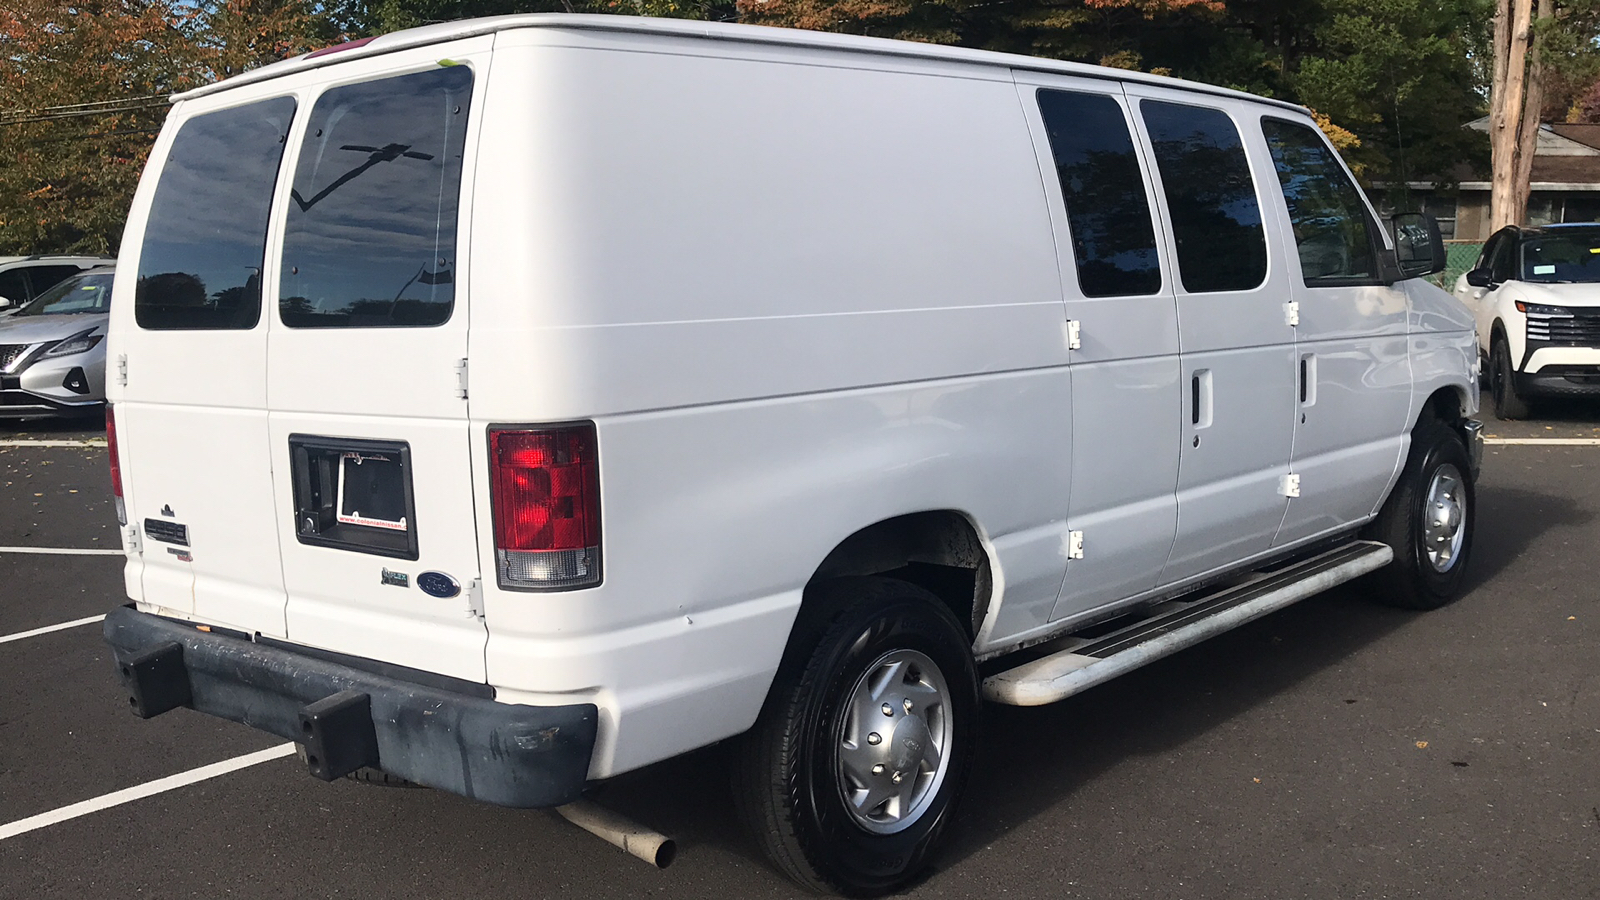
[1479,278]
[1418,246]
[5,303]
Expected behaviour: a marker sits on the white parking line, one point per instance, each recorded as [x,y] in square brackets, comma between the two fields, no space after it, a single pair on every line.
[1550,442]
[139,792]
[64,551]
[6,639]
[32,443]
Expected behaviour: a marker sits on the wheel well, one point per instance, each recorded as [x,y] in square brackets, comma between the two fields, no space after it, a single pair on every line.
[938,550]
[1447,405]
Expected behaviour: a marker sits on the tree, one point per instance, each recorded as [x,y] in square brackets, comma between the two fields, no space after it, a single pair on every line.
[1538,44]
[85,91]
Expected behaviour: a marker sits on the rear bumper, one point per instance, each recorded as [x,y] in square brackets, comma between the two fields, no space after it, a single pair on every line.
[500,753]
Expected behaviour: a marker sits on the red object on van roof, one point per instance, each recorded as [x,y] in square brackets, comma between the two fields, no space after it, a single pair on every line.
[347,45]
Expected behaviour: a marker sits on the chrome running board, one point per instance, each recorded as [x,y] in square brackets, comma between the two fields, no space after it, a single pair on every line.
[1083,663]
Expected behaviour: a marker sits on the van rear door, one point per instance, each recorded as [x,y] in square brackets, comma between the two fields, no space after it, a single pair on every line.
[190,339]
[365,365]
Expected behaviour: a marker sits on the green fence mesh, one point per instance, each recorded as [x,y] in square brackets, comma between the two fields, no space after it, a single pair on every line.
[1461,256]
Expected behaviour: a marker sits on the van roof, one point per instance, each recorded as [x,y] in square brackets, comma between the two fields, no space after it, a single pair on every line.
[710,31]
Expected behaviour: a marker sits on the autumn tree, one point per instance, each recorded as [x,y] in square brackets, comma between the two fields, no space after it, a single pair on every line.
[85,91]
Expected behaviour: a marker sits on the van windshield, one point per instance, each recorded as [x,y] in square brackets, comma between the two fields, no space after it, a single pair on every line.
[83,294]
[1559,258]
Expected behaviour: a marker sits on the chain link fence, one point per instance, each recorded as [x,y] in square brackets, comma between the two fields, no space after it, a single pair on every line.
[1460,256]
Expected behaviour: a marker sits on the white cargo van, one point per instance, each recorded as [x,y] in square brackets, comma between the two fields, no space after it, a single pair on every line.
[513,403]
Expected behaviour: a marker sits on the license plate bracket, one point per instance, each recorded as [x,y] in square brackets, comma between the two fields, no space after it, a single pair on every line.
[354,494]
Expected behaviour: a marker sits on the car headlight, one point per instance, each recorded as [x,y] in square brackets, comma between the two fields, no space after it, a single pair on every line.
[82,341]
[1535,309]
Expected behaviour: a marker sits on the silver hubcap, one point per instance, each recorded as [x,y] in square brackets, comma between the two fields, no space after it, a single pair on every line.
[894,741]
[1444,518]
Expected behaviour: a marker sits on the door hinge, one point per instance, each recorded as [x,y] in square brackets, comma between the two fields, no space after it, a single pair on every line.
[130,537]
[474,595]
[122,369]
[1074,334]
[1291,312]
[461,379]
[1289,486]
[1074,545]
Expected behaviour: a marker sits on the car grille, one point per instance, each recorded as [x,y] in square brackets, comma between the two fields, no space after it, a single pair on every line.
[9,353]
[1582,329]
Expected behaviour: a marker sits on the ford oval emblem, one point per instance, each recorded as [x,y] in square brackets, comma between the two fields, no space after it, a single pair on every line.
[438,584]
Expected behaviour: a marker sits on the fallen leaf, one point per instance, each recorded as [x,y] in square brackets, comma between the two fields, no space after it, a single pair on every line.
[1256,780]
[1572,618]
[1422,745]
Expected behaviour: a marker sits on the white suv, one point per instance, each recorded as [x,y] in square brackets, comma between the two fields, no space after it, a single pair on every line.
[1536,295]
[510,404]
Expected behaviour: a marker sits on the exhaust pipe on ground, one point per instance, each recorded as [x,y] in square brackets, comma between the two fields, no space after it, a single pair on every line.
[617,830]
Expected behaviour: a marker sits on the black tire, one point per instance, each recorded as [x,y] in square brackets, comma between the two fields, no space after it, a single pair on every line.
[788,774]
[1508,404]
[1412,580]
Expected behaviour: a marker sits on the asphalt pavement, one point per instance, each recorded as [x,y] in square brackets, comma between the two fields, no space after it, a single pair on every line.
[1336,749]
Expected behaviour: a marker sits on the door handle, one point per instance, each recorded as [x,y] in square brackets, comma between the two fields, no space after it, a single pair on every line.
[1308,380]
[1200,401]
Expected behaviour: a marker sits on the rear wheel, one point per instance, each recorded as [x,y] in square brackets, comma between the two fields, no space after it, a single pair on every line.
[851,775]
[1508,404]
[1428,521]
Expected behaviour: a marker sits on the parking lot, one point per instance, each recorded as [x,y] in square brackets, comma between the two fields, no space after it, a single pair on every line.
[1335,749]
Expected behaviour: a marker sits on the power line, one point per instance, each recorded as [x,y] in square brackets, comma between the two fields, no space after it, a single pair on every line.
[21,117]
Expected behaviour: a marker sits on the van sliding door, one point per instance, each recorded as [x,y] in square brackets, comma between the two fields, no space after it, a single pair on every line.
[1125,380]
[366,389]
[1238,346]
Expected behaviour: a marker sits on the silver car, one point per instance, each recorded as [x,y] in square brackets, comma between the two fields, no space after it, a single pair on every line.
[53,352]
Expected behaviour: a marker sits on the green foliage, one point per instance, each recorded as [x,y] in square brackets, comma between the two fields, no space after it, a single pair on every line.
[73,159]
[1393,80]
[1399,74]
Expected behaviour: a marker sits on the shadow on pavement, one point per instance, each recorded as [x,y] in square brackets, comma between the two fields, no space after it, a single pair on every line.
[1150,711]
[1509,521]
[76,427]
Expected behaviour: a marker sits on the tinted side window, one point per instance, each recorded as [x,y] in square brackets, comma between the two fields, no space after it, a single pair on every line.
[46,277]
[1487,254]
[1216,221]
[1500,264]
[371,235]
[14,287]
[1331,228]
[205,240]
[1108,212]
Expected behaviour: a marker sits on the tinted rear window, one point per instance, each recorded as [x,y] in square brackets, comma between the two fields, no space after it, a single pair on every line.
[205,240]
[1108,211]
[1216,221]
[371,235]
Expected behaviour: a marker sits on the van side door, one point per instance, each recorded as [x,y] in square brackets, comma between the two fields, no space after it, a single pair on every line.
[366,378]
[1353,371]
[186,368]
[1238,346]
[1125,378]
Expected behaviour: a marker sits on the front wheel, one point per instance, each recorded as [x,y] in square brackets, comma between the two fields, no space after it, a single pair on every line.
[852,773]
[1428,521]
[1508,404]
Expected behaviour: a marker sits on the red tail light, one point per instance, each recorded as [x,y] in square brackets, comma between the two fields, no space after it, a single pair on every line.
[546,504]
[116,466]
